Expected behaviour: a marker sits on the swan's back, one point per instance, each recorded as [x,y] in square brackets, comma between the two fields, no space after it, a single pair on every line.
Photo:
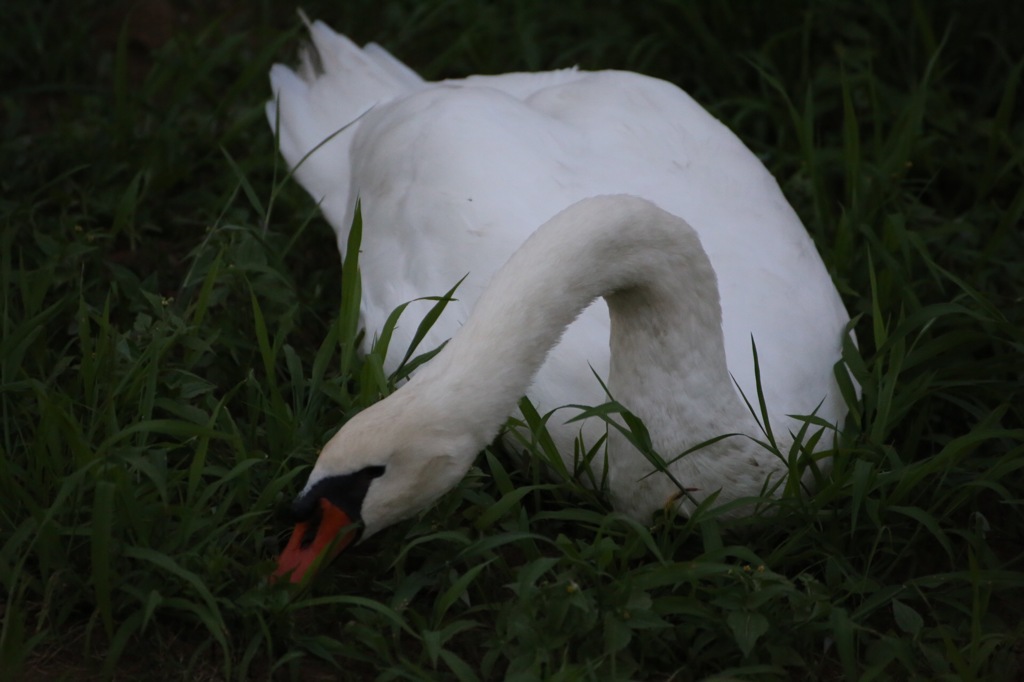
[454,176]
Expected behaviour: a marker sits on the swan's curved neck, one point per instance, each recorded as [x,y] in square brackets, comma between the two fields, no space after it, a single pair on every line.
[666,319]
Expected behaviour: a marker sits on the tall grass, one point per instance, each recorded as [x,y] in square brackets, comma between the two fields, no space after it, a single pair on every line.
[177,340]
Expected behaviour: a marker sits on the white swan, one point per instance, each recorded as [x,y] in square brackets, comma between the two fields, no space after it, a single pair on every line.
[454,176]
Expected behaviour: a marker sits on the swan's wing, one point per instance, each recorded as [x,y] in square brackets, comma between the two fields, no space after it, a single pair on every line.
[457,176]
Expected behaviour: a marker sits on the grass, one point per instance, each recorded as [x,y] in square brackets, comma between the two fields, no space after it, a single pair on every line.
[176,343]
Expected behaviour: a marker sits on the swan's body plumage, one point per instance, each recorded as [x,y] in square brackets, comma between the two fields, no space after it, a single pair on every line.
[454,176]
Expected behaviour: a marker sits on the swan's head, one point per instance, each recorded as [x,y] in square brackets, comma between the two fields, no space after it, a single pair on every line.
[387,463]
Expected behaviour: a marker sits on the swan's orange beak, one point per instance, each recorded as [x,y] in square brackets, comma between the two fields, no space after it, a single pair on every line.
[314,542]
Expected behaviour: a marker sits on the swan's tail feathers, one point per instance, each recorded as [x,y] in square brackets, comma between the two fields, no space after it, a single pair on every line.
[335,82]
